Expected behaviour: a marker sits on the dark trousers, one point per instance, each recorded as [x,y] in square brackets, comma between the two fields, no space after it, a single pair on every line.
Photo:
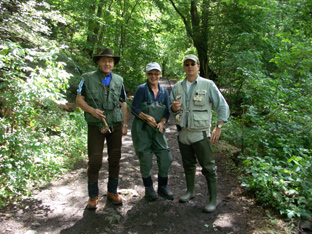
[96,141]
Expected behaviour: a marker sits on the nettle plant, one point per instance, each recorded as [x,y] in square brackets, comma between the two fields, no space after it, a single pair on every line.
[38,140]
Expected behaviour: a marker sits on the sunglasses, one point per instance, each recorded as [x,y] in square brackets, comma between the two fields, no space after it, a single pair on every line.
[189,64]
[151,73]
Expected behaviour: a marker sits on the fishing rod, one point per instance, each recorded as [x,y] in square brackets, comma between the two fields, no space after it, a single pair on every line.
[116,96]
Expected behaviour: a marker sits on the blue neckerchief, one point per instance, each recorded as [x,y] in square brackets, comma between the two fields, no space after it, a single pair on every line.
[106,80]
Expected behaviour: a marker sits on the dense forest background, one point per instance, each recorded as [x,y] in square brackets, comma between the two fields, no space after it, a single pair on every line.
[258,52]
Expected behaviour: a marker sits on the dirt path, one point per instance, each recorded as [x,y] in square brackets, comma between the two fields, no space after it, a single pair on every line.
[60,207]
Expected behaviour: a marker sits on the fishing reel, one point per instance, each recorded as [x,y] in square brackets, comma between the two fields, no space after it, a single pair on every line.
[105,128]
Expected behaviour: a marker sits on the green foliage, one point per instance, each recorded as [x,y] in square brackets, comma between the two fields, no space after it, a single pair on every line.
[38,140]
[273,81]
[259,51]
[284,185]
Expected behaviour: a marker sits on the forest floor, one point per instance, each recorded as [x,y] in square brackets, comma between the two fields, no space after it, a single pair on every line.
[60,207]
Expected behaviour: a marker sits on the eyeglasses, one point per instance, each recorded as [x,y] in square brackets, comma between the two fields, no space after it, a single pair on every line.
[151,73]
[189,64]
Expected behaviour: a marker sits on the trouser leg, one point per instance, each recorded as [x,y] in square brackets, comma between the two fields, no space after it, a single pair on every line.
[189,165]
[142,143]
[95,154]
[206,159]
[114,142]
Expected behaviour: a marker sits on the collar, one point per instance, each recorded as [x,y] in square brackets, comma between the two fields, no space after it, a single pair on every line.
[185,79]
[150,86]
[102,75]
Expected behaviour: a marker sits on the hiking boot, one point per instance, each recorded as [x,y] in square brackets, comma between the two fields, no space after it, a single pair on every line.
[92,202]
[150,194]
[165,192]
[115,198]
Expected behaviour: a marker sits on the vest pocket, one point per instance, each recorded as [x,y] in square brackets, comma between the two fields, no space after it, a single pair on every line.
[200,97]
[117,115]
[200,119]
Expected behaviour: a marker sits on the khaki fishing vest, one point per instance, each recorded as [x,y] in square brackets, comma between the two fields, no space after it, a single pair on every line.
[198,116]
[106,98]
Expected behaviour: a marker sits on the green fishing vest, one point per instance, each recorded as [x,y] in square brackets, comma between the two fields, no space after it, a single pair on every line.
[198,116]
[152,108]
[106,98]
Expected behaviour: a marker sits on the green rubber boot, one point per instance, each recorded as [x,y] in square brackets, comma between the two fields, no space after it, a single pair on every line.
[212,188]
[190,184]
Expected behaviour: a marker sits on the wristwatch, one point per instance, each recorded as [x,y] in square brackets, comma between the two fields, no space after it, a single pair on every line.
[125,125]
[164,122]
[219,126]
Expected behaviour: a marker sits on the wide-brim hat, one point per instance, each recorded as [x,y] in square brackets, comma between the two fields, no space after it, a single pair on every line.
[107,52]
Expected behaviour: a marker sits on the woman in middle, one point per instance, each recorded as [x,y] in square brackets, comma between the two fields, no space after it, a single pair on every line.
[151,108]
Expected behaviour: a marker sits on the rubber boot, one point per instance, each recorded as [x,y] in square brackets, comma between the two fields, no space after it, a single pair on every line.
[212,188]
[163,189]
[190,185]
[150,193]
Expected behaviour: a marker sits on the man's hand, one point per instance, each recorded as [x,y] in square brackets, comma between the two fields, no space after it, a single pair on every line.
[215,135]
[98,114]
[124,130]
[176,106]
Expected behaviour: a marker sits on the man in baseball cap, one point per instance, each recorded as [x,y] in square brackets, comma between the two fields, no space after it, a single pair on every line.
[191,101]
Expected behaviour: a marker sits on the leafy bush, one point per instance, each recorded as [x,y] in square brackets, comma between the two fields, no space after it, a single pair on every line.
[38,140]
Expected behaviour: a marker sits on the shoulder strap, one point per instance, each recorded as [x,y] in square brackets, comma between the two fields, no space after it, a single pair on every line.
[163,94]
[149,95]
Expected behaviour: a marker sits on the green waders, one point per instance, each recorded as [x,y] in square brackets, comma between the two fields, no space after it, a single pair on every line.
[147,141]
[202,152]
[189,165]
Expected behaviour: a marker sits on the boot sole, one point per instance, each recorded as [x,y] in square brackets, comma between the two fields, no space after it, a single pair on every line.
[114,202]
[184,201]
[210,211]
[151,198]
[166,196]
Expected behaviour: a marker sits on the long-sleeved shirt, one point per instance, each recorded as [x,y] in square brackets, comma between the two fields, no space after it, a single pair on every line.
[141,96]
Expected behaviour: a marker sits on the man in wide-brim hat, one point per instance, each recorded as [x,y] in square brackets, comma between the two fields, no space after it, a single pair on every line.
[99,95]
[107,52]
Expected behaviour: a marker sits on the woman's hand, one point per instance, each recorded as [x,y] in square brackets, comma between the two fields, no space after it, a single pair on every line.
[151,121]
[160,126]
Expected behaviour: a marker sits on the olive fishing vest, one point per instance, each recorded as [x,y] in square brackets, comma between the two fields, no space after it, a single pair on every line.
[106,98]
[197,117]
[155,109]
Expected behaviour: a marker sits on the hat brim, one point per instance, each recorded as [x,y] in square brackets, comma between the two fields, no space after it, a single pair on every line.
[97,57]
[193,59]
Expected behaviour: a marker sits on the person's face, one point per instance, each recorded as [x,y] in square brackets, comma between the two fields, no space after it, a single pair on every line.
[191,68]
[106,64]
[153,77]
